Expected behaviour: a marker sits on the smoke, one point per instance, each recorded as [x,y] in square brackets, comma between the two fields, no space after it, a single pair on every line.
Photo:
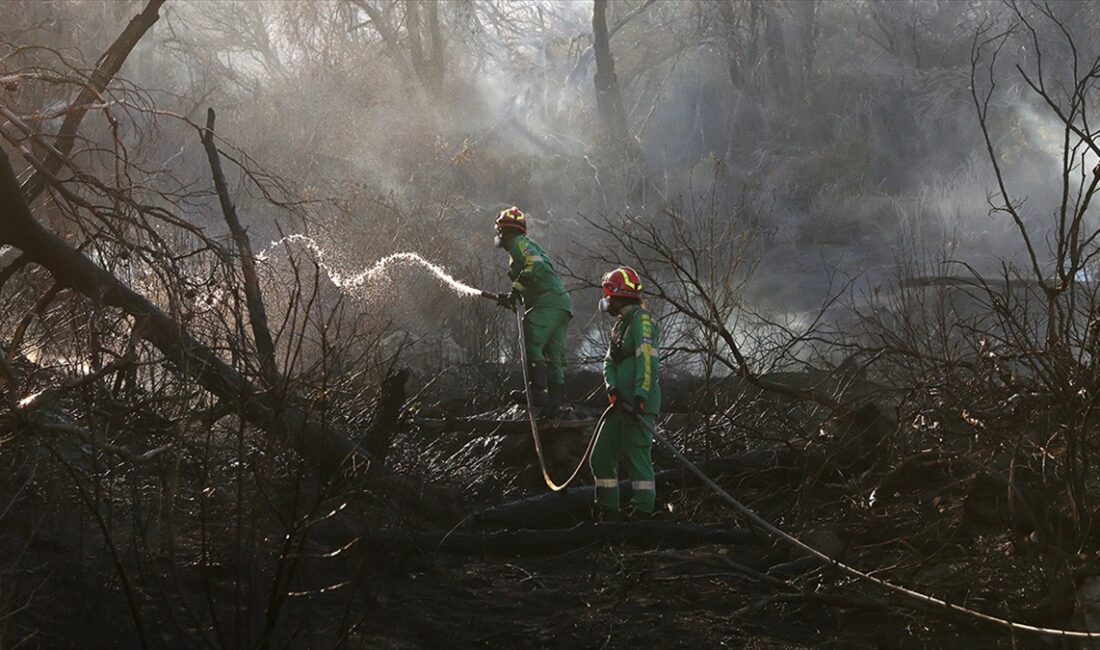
[847,130]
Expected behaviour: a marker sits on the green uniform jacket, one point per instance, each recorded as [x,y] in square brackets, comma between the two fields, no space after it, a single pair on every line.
[533,275]
[632,360]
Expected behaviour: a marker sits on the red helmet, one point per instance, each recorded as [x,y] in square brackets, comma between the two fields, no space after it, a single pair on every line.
[513,217]
[623,282]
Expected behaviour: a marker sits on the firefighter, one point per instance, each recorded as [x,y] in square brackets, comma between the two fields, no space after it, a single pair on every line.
[547,311]
[630,375]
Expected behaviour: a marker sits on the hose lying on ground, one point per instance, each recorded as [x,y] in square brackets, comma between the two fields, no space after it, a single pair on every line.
[852,571]
[760,521]
[556,487]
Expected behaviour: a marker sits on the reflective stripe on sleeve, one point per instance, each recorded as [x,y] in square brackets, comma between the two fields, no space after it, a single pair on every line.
[607,483]
[643,485]
[518,286]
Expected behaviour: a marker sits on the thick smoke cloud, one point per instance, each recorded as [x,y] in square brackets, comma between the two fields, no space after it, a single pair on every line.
[847,131]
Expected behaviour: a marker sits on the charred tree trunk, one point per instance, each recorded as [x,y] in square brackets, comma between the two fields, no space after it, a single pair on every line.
[609,102]
[551,509]
[388,34]
[257,313]
[808,28]
[387,414]
[734,63]
[778,71]
[106,68]
[429,68]
[435,60]
[426,63]
[412,29]
[392,40]
[608,98]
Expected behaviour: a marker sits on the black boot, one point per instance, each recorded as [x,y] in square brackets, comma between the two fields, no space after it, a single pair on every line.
[539,395]
[555,395]
[538,387]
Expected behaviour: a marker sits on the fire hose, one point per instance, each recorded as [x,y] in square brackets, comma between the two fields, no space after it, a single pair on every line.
[556,487]
[759,521]
[767,526]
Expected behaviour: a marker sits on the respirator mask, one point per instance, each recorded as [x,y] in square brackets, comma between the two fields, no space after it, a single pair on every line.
[605,305]
[498,241]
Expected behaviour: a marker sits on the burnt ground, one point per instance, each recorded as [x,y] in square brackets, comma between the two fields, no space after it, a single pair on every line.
[621,595]
[236,568]
[609,597]
[617,596]
[602,596]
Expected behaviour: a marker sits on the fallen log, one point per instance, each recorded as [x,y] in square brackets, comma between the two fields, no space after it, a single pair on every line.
[543,542]
[480,427]
[554,509]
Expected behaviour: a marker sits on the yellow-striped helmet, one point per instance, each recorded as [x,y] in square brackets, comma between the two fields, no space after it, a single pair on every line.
[623,282]
[513,217]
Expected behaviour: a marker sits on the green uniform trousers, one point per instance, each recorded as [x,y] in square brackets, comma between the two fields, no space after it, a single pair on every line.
[623,436]
[544,331]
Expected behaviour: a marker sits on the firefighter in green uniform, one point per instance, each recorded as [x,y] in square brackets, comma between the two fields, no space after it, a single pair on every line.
[630,375]
[547,306]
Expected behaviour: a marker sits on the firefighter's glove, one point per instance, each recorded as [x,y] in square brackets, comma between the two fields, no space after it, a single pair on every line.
[619,400]
[505,300]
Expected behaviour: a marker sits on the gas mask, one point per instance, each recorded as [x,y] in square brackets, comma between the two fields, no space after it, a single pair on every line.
[605,305]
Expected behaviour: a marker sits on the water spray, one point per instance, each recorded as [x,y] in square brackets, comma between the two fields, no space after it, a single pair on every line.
[379,269]
[376,271]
